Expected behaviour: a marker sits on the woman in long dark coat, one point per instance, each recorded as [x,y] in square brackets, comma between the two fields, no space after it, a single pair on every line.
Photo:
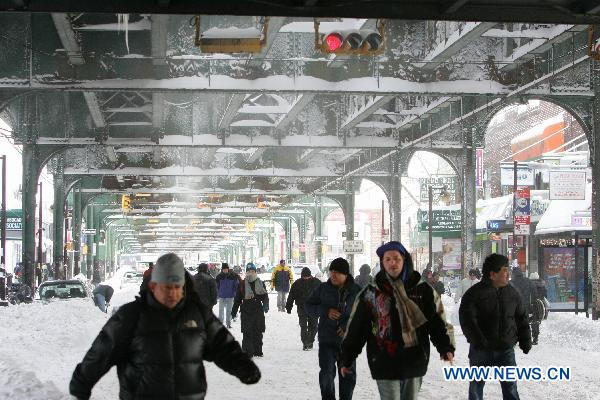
[253,302]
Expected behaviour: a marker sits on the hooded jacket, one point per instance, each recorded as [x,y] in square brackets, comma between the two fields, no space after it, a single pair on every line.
[364,277]
[159,352]
[227,284]
[326,296]
[206,288]
[375,321]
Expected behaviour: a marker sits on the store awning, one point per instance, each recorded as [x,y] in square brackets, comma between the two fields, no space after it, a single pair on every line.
[567,215]
[496,208]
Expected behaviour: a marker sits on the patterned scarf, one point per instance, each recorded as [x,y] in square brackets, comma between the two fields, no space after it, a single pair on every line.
[411,316]
[259,287]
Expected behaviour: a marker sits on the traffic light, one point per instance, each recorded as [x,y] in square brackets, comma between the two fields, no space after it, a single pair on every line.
[362,41]
[353,42]
[125,203]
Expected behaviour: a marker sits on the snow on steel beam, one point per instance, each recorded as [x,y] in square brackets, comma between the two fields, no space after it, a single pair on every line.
[452,45]
[275,83]
[367,110]
[208,191]
[298,105]
[275,24]
[233,141]
[235,102]
[159,39]
[62,22]
[92,102]
[256,154]
[313,172]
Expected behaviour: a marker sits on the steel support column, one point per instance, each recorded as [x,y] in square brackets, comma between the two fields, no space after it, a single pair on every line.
[395,201]
[76,233]
[595,161]
[469,200]
[89,240]
[348,209]
[58,219]
[318,221]
[272,244]
[31,168]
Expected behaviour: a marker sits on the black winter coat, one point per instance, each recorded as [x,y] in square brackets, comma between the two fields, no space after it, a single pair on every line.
[375,320]
[299,292]
[494,318]
[327,296]
[159,352]
[525,288]
[252,311]
[206,288]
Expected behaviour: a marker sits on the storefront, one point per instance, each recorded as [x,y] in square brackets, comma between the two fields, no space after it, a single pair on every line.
[565,253]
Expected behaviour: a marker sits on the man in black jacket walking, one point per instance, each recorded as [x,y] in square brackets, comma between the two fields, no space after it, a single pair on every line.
[205,286]
[332,302]
[159,341]
[299,292]
[493,319]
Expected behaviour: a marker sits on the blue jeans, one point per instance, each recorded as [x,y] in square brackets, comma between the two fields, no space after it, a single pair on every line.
[281,300]
[100,302]
[327,362]
[225,304]
[405,389]
[492,358]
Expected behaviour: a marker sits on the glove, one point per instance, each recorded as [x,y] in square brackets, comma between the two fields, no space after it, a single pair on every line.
[525,348]
[252,377]
[233,316]
[266,309]
[289,311]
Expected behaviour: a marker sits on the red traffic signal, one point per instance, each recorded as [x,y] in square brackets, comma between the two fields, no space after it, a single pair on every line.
[355,42]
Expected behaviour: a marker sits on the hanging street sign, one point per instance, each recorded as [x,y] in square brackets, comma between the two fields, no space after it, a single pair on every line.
[353,246]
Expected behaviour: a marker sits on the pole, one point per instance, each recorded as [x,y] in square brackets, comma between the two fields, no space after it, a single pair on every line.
[514,239]
[576,237]
[382,223]
[40,231]
[430,193]
[3,234]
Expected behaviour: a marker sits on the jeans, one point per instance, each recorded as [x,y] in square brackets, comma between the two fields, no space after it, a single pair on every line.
[308,326]
[225,304]
[405,389]
[100,302]
[327,362]
[281,299]
[492,358]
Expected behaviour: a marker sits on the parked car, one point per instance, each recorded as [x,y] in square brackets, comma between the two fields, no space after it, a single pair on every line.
[132,278]
[62,289]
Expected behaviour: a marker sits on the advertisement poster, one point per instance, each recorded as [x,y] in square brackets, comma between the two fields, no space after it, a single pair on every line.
[567,185]
[522,217]
[451,254]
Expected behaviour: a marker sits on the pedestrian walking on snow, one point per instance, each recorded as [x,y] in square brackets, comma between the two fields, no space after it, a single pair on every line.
[227,285]
[252,301]
[281,279]
[205,286]
[299,293]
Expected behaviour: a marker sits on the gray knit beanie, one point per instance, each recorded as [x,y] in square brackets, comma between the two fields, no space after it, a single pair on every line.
[168,269]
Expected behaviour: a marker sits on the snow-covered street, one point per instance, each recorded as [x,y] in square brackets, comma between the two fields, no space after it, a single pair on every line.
[42,343]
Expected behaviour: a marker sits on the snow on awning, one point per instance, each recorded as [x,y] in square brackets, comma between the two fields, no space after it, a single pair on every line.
[497,208]
[567,215]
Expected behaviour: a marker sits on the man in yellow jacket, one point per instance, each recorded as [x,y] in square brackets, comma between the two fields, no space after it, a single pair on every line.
[281,279]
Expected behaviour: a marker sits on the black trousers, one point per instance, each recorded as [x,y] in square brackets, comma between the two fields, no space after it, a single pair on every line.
[308,326]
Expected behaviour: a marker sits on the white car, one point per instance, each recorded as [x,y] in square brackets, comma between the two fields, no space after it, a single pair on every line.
[315,271]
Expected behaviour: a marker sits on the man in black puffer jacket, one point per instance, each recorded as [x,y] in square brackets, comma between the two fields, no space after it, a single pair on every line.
[493,319]
[299,292]
[397,316]
[332,302]
[158,343]
[205,286]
